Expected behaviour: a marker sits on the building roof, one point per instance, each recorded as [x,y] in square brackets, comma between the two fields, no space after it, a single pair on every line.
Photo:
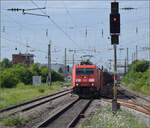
[20,54]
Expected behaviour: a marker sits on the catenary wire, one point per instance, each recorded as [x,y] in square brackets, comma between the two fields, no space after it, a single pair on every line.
[59,27]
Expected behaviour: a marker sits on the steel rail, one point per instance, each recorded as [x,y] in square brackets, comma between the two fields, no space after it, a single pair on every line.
[56,115]
[135,102]
[64,110]
[134,94]
[32,101]
[74,122]
[38,104]
[130,105]
[130,95]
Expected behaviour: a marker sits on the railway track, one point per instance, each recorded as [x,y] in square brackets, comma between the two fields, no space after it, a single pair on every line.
[68,116]
[132,94]
[129,99]
[132,105]
[33,103]
[133,97]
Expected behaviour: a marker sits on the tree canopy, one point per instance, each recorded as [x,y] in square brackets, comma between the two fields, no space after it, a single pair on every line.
[13,74]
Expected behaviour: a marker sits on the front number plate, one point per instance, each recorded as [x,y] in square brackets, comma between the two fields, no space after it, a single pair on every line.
[84,80]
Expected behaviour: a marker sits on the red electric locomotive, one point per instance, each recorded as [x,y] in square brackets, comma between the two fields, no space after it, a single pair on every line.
[87,80]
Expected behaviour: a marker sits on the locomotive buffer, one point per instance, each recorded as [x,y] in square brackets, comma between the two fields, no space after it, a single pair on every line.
[115,32]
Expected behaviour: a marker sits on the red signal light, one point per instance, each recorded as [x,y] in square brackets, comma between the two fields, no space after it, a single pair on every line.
[114,23]
[114,19]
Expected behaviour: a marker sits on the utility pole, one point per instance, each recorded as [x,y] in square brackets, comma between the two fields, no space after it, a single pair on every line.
[134,56]
[110,60]
[49,64]
[73,61]
[136,52]
[127,64]
[65,63]
[149,53]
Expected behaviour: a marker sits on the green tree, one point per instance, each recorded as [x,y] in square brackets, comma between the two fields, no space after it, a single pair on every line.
[141,66]
[60,70]
[23,73]
[8,79]
[56,76]
[35,69]
[44,73]
[6,63]
[138,77]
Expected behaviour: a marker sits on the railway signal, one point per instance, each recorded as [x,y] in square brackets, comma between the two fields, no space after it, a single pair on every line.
[115,32]
[114,39]
[114,23]
[114,19]
[67,68]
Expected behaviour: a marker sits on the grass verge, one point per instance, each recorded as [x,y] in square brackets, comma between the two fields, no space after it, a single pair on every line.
[105,119]
[138,77]
[21,93]
[15,120]
[141,89]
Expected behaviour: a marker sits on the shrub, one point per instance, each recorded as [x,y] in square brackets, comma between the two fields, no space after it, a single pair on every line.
[8,79]
[6,63]
[56,76]
[14,120]
[60,70]
[138,76]
[141,66]
[44,73]
[35,70]
[41,90]
[23,73]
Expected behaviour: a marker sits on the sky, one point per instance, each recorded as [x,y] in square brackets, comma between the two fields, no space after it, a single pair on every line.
[67,29]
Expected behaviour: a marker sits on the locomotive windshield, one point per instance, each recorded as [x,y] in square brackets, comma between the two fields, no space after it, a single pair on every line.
[84,71]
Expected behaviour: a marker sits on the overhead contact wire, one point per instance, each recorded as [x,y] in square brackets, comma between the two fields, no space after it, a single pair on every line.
[49,17]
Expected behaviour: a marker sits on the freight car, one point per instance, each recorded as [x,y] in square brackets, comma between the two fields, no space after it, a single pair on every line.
[87,80]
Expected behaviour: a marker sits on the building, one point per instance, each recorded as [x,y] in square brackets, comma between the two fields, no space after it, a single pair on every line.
[26,58]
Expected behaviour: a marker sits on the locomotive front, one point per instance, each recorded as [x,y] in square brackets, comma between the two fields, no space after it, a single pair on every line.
[86,80]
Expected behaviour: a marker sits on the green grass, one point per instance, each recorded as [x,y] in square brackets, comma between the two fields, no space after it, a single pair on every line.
[138,77]
[65,84]
[15,120]
[141,89]
[21,93]
[105,119]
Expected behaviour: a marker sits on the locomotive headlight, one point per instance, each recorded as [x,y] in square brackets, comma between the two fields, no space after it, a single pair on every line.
[77,84]
[92,84]
[78,80]
[91,80]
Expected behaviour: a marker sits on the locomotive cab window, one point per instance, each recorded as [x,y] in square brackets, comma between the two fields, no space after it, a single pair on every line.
[84,71]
